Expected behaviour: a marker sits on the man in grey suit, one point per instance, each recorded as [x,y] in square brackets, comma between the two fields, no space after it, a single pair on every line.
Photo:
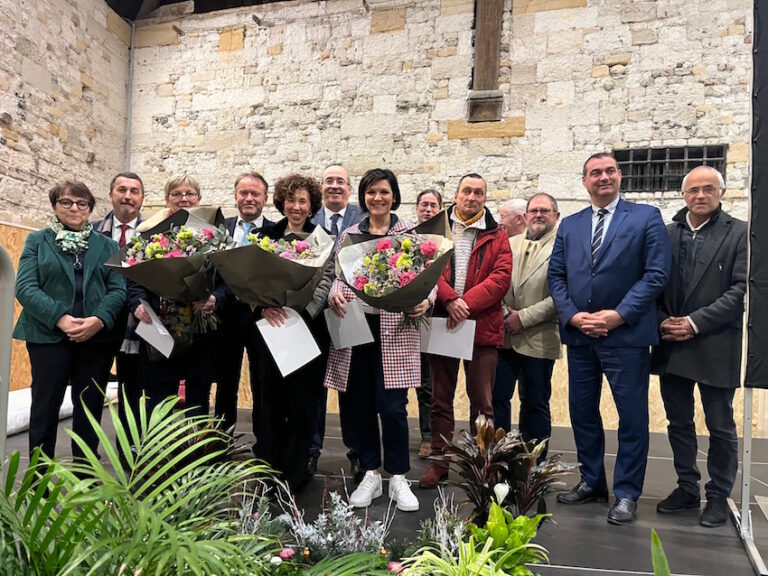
[336,215]
[700,316]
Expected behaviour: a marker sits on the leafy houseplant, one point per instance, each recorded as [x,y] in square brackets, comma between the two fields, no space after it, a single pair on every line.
[493,456]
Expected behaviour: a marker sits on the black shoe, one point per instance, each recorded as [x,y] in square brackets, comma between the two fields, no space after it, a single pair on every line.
[583,493]
[356,470]
[678,501]
[715,513]
[312,465]
[622,512]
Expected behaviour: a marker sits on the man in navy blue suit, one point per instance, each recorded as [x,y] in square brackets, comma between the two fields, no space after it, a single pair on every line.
[609,264]
[336,215]
[237,330]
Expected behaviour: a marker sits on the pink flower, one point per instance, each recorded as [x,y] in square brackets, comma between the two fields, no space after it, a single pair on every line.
[131,261]
[301,246]
[406,277]
[288,255]
[287,553]
[360,282]
[163,240]
[395,567]
[384,244]
[428,249]
[175,254]
[392,260]
[207,233]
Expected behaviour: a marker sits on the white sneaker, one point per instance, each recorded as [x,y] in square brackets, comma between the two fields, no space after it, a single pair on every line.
[368,489]
[400,492]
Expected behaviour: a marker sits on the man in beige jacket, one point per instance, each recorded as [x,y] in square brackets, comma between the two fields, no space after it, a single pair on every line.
[531,339]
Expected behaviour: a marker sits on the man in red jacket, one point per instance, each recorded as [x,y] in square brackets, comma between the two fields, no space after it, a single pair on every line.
[472,286]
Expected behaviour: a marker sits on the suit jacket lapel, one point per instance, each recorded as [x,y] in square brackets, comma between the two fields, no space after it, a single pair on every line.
[541,257]
[585,227]
[349,218]
[712,243]
[91,260]
[64,260]
[618,217]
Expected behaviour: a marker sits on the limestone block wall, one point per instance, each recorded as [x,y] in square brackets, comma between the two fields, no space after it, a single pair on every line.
[296,85]
[63,101]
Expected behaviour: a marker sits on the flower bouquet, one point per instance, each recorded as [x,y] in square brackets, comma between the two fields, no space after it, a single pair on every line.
[393,273]
[270,272]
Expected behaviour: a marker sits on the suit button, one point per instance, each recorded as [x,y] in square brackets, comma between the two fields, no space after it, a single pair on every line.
[589,301]
[593,274]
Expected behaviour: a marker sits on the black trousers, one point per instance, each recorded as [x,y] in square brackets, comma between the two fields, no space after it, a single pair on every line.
[235,335]
[160,377]
[287,405]
[366,401]
[128,385]
[84,366]
[534,376]
[424,397]
[723,455]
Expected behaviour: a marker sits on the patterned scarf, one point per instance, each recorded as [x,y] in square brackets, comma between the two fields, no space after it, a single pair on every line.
[70,241]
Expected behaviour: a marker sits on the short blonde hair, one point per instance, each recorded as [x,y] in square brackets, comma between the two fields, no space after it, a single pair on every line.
[180,180]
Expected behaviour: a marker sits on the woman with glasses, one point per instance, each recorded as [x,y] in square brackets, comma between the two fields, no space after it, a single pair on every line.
[161,376]
[70,301]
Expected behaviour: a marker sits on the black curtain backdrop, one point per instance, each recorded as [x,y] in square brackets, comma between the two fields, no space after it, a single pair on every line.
[757,326]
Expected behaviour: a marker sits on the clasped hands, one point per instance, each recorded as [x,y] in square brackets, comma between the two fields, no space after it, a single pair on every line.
[204,306]
[79,329]
[338,304]
[676,329]
[597,324]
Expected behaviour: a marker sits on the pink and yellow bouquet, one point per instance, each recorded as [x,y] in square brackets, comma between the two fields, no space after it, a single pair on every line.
[176,243]
[395,263]
[297,250]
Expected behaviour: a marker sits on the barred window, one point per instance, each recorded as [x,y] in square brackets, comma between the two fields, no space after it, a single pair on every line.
[662,169]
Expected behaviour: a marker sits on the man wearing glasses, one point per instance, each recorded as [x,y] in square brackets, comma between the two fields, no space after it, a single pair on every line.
[336,216]
[531,338]
[700,317]
[237,330]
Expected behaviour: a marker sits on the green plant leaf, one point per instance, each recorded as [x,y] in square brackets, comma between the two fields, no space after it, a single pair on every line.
[658,558]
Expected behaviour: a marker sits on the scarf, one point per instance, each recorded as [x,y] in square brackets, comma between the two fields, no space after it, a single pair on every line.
[70,241]
[471,220]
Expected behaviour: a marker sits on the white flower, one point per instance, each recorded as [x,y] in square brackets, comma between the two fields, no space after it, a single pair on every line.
[501,490]
[276,561]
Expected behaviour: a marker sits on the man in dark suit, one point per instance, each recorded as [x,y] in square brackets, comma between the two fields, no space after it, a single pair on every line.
[336,215]
[126,191]
[237,330]
[609,264]
[700,316]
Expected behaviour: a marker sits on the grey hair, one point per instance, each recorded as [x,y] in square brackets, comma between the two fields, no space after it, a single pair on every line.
[552,200]
[516,206]
[715,171]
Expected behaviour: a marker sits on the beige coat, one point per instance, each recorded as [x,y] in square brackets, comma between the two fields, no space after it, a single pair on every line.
[529,295]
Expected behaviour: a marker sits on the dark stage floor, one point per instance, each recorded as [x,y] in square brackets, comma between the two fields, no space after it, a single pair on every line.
[581,542]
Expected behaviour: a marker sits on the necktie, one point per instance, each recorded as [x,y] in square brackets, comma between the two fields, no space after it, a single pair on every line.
[123,239]
[597,237]
[335,224]
[246,230]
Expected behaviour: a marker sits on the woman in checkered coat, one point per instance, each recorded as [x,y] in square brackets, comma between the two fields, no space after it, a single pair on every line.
[373,379]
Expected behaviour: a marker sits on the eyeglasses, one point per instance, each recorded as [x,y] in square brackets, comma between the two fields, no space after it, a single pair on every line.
[707,190]
[66,203]
[246,193]
[542,211]
[338,181]
[180,195]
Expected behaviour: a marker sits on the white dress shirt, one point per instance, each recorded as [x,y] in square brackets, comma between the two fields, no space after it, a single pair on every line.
[239,232]
[606,219]
[329,214]
[117,231]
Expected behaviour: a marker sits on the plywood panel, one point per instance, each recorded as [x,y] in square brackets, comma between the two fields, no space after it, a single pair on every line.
[12,238]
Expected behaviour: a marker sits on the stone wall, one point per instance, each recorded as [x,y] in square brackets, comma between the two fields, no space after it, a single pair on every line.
[63,101]
[296,85]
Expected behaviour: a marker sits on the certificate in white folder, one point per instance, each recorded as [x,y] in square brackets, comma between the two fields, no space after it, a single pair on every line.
[291,345]
[351,330]
[458,342]
[155,334]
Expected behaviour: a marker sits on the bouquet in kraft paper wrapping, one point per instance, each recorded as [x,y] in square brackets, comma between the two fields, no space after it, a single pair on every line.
[270,272]
[395,273]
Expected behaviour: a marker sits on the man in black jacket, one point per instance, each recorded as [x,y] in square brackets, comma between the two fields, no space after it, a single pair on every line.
[237,330]
[700,316]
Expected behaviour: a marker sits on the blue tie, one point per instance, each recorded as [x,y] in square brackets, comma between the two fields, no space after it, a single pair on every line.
[597,237]
[246,230]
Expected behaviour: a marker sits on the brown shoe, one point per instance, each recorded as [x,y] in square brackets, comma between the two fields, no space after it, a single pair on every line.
[425,450]
[431,478]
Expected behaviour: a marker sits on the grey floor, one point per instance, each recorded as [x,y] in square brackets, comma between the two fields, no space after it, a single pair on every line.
[580,541]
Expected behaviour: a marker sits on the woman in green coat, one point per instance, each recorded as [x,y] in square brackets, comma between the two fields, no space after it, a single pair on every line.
[70,302]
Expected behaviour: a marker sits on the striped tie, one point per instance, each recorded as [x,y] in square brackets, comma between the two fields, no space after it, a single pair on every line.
[597,237]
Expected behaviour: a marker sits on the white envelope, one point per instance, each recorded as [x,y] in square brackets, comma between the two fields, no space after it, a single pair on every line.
[352,330]
[155,334]
[291,345]
[458,342]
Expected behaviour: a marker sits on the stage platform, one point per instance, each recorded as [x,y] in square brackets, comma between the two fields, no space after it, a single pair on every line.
[580,541]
